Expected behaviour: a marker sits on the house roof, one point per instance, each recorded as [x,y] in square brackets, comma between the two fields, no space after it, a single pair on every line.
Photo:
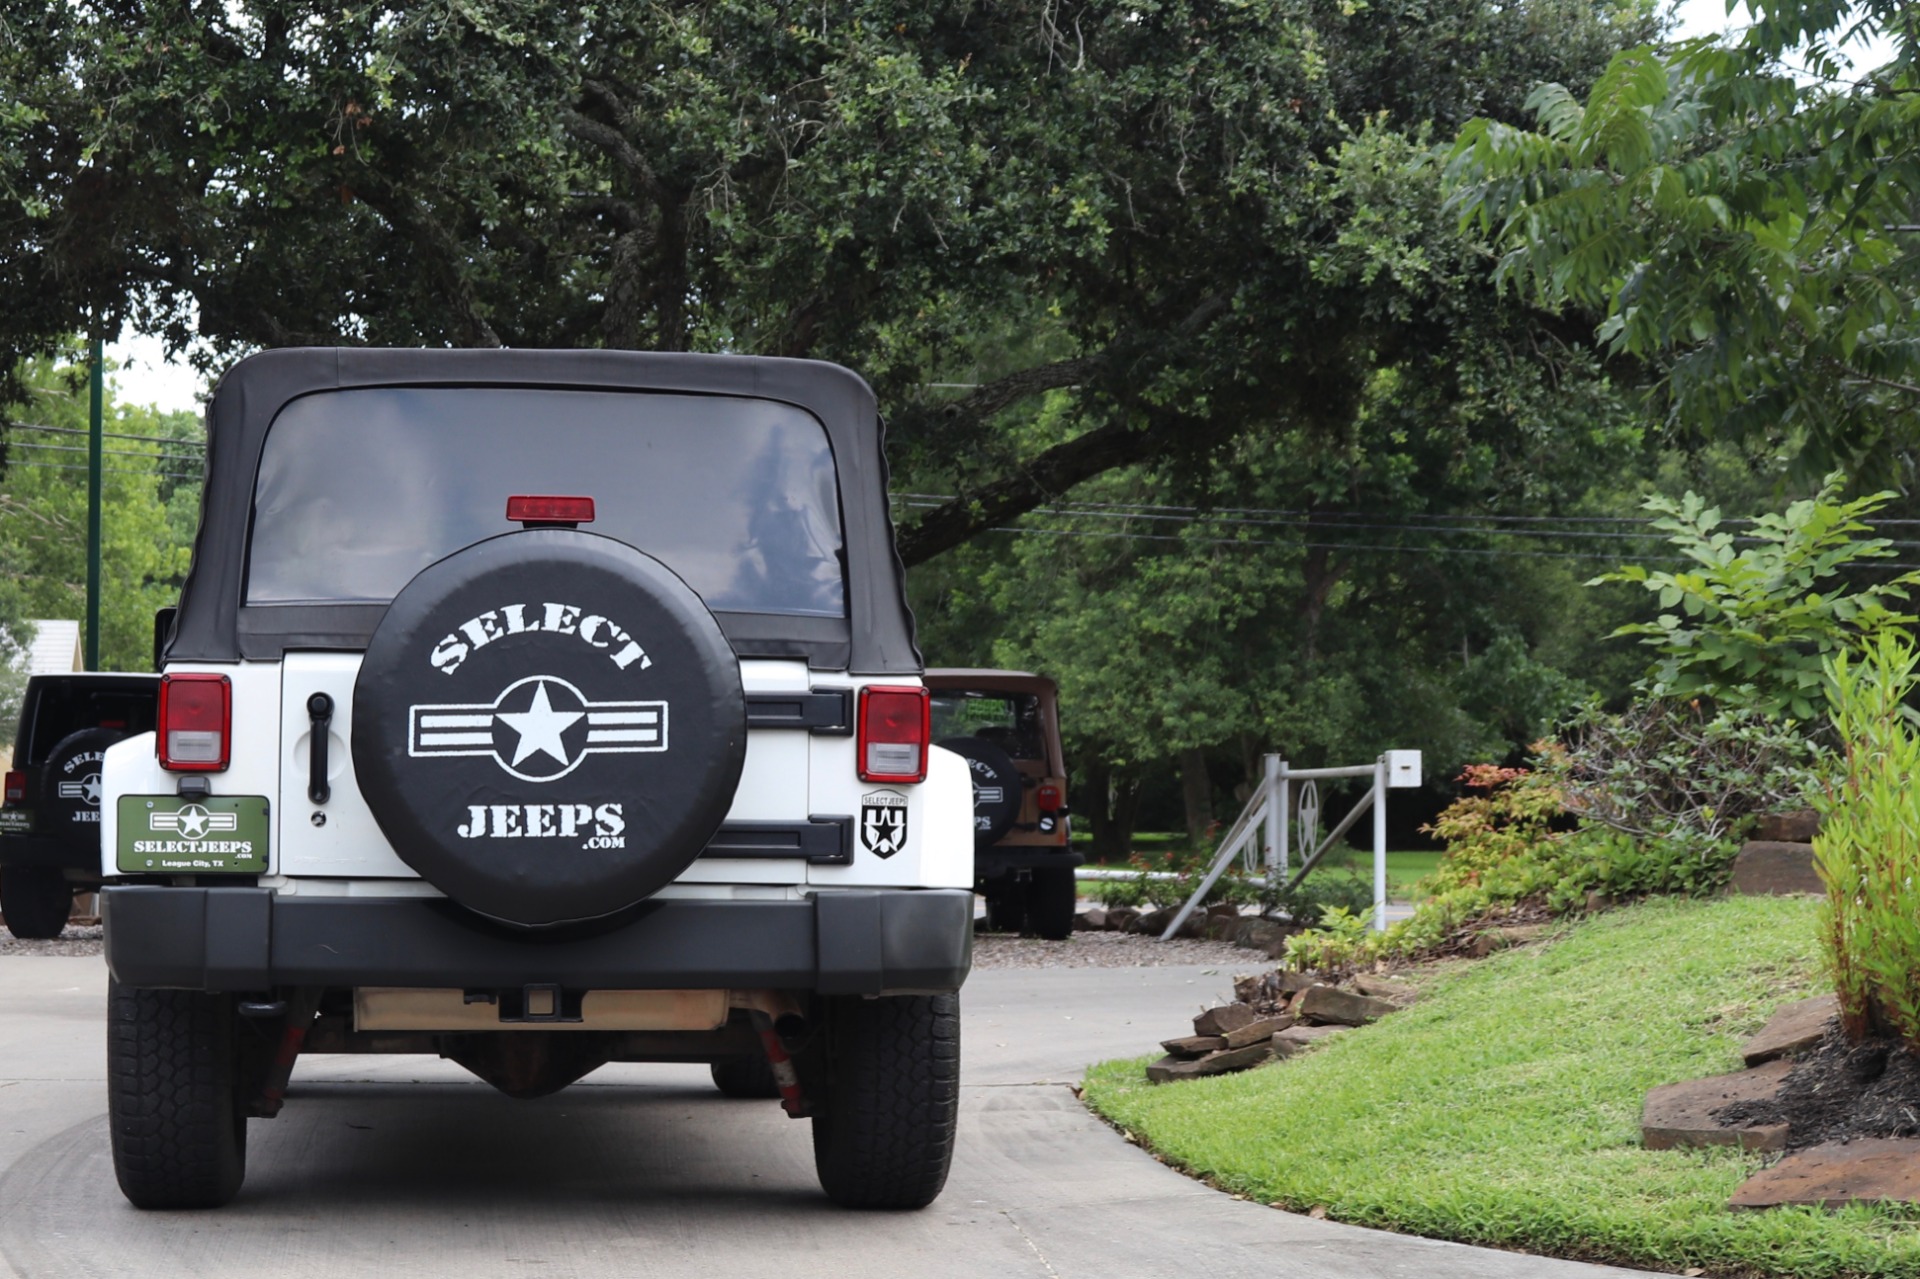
[56,647]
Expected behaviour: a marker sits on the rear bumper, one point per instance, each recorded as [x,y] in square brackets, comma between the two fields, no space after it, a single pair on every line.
[248,939]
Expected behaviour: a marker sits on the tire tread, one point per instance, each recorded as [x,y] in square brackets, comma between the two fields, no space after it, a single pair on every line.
[179,1140]
[886,1137]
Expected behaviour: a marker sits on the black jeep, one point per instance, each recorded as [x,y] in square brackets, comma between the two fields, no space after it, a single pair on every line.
[50,821]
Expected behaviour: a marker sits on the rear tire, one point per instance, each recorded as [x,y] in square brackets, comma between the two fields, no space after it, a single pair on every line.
[1051,896]
[36,901]
[883,1129]
[173,1097]
[748,1077]
[1006,905]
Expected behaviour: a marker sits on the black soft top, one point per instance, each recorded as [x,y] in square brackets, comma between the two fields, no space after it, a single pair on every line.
[216,624]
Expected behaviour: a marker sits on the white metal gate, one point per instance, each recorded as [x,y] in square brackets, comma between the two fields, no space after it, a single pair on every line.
[1266,812]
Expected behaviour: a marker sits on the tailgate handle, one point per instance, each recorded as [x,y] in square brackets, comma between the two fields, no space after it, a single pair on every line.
[320,711]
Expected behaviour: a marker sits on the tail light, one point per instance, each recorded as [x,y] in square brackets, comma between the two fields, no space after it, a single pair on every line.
[1049,798]
[16,787]
[196,723]
[892,741]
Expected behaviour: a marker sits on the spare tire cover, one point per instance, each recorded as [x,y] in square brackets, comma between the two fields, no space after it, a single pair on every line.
[68,806]
[548,726]
[997,784]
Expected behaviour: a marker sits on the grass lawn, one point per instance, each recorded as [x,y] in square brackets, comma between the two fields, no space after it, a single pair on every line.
[1503,1108]
[1404,869]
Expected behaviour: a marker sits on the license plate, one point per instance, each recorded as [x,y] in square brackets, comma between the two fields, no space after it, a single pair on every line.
[174,835]
[15,821]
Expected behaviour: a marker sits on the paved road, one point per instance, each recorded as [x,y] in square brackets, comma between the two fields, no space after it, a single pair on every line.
[394,1166]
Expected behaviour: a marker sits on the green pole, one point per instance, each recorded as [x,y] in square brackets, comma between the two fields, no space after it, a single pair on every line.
[97,390]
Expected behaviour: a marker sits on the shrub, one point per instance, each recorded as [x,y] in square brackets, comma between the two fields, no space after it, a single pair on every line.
[1868,848]
[1505,854]
[1342,942]
[1757,620]
[1598,859]
[1664,769]
[1345,889]
[1190,866]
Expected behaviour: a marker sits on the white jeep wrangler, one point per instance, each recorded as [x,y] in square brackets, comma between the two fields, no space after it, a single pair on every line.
[539,709]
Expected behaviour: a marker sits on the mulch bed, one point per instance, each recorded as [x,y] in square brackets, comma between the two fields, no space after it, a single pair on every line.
[1841,1091]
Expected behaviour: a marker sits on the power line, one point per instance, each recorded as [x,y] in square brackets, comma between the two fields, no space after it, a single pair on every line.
[1328,546]
[105,470]
[112,435]
[1339,546]
[77,448]
[1325,526]
[1281,512]
[1328,525]
[1343,515]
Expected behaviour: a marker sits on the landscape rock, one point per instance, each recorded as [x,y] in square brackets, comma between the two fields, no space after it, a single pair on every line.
[1791,828]
[1188,1046]
[1236,1058]
[1221,928]
[1681,1114]
[1869,1170]
[1154,923]
[1119,917]
[1222,1020]
[1385,988]
[1775,868]
[1294,981]
[1258,1031]
[1169,1069]
[1261,934]
[1090,921]
[1295,1038]
[1794,1028]
[1330,1004]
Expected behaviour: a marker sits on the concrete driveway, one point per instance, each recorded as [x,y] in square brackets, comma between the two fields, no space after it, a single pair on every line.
[394,1166]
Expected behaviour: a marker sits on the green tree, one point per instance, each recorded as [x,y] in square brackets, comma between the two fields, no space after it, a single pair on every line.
[1745,225]
[1165,205]
[43,512]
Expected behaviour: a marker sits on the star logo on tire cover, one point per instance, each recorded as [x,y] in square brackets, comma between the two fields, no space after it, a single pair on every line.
[87,791]
[538,729]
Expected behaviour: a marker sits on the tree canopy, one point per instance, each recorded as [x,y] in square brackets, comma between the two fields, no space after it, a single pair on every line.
[1744,216]
[1172,210]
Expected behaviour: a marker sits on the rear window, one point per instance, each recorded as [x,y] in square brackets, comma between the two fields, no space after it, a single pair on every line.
[1010,721]
[360,490]
[59,707]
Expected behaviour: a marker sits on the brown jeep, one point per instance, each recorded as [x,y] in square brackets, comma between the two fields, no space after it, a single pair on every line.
[1006,725]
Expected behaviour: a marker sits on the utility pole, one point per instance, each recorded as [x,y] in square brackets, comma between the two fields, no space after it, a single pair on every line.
[97,388]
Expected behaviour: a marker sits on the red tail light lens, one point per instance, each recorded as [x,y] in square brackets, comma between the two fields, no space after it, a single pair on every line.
[196,723]
[528,509]
[1049,798]
[16,787]
[892,741]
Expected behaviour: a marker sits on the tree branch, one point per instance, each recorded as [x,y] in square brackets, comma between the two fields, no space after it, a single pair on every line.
[989,399]
[1042,479]
[612,138]
[443,253]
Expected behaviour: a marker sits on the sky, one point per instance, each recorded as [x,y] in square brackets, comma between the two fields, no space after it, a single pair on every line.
[148,377]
